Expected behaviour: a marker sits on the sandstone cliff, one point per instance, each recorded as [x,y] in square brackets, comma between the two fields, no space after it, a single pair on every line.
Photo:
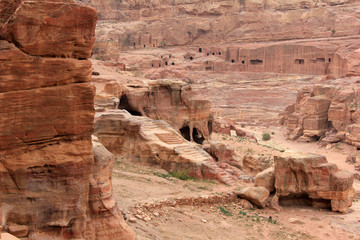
[157,23]
[46,119]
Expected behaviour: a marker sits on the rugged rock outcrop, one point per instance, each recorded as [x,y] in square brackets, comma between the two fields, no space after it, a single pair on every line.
[168,100]
[104,220]
[310,177]
[46,118]
[330,112]
[155,143]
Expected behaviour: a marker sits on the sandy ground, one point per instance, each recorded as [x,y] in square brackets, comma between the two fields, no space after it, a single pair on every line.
[135,185]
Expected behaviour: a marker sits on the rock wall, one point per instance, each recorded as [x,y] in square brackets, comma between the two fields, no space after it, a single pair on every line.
[46,118]
[145,24]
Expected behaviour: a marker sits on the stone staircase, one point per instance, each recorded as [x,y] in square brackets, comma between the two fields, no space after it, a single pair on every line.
[185,149]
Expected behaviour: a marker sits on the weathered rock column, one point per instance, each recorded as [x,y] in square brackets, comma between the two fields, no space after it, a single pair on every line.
[46,116]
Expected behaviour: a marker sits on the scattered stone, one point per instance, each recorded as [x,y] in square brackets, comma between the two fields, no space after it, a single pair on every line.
[147,219]
[17,230]
[204,220]
[351,159]
[295,221]
[156,214]
[132,220]
[138,216]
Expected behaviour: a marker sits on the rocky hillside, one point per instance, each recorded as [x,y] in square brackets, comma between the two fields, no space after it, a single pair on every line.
[146,24]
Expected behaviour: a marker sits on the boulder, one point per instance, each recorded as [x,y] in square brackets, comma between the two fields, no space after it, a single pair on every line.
[256,195]
[266,179]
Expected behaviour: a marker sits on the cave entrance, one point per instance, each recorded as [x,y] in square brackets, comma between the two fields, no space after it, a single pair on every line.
[299,61]
[124,104]
[166,63]
[200,49]
[191,58]
[232,60]
[303,199]
[256,62]
[185,132]
[198,136]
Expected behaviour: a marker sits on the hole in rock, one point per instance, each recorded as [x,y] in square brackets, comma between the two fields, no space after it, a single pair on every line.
[256,62]
[172,63]
[320,59]
[144,45]
[243,62]
[302,199]
[166,63]
[219,53]
[213,53]
[299,61]
[329,59]
[232,60]
[185,132]
[198,136]
[191,58]
[200,49]
[124,104]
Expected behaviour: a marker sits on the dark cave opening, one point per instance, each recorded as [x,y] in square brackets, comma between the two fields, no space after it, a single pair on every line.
[198,136]
[124,104]
[185,132]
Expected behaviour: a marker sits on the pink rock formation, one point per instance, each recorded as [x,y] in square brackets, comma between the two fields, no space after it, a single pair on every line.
[310,176]
[46,120]
[168,100]
[155,143]
[104,220]
[200,22]
[330,112]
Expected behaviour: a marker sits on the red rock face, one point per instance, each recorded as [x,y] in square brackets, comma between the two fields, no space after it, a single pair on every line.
[52,28]
[46,121]
[329,112]
[299,174]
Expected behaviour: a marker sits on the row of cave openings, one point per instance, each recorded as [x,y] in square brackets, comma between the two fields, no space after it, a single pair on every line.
[196,135]
[260,62]
[167,63]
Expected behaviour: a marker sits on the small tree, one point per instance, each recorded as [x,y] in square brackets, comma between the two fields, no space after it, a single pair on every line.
[266,136]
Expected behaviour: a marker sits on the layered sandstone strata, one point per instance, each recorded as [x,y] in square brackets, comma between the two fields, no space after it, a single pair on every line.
[46,119]
[310,177]
[330,112]
[155,143]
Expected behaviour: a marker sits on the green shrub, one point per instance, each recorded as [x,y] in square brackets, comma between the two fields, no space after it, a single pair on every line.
[182,175]
[266,136]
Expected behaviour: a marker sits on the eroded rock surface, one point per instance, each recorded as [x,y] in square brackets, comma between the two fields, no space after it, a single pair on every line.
[330,112]
[310,176]
[46,121]
[154,142]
